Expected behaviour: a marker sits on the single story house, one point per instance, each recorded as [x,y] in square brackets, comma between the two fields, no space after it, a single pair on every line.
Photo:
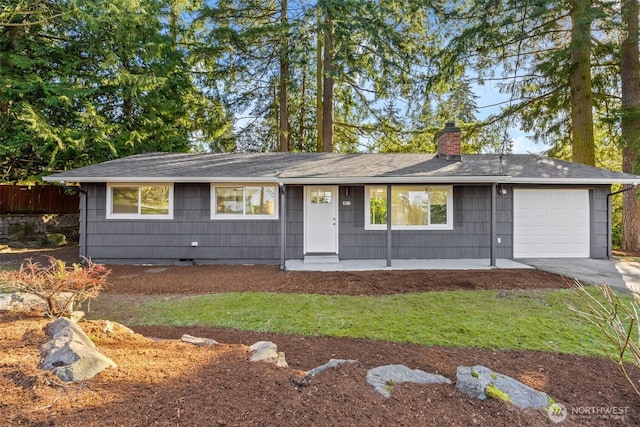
[272,207]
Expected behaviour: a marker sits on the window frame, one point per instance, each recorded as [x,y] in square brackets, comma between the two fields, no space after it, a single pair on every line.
[139,215]
[244,216]
[367,208]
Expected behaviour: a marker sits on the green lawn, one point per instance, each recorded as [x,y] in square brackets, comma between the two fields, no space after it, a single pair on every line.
[538,320]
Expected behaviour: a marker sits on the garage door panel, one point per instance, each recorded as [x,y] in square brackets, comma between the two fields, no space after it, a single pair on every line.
[551,223]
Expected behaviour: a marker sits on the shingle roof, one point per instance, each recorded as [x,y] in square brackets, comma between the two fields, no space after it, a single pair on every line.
[340,168]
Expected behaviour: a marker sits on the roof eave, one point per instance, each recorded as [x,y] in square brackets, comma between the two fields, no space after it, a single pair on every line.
[199,179]
[394,180]
[575,181]
[352,179]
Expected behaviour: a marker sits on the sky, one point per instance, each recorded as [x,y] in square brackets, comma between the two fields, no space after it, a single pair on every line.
[488,98]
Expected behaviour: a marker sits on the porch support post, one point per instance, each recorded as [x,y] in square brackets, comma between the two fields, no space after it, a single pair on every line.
[388,225]
[283,226]
[83,224]
[493,225]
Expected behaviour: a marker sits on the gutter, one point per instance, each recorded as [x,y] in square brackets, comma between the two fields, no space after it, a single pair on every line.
[349,180]
[609,233]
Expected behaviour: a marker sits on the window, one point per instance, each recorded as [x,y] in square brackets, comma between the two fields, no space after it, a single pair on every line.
[250,201]
[137,201]
[320,197]
[412,207]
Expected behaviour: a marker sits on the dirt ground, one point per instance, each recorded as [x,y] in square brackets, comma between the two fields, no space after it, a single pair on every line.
[167,382]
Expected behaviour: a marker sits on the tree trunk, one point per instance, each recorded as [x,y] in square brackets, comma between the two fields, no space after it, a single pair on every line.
[327,91]
[319,91]
[580,83]
[284,78]
[630,123]
[301,131]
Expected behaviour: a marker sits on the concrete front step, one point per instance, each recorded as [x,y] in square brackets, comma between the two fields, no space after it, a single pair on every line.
[321,259]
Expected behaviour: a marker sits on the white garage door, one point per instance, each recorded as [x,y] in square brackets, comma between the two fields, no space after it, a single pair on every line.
[551,223]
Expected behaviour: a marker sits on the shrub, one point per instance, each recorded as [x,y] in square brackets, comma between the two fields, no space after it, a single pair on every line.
[54,239]
[617,320]
[22,232]
[60,286]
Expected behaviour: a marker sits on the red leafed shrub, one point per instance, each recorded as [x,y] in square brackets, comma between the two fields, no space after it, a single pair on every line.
[59,285]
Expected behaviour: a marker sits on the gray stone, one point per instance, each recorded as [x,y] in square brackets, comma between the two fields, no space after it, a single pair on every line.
[198,341]
[20,301]
[266,351]
[332,363]
[77,316]
[480,382]
[26,302]
[281,362]
[70,354]
[110,327]
[383,378]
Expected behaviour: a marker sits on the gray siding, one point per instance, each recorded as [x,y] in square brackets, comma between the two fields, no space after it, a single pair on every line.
[600,237]
[295,222]
[168,241]
[246,241]
[470,237]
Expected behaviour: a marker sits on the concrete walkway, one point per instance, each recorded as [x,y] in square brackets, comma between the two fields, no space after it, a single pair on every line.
[622,274]
[402,264]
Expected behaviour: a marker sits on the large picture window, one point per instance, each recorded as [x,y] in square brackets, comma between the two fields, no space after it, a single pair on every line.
[138,201]
[412,207]
[244,201]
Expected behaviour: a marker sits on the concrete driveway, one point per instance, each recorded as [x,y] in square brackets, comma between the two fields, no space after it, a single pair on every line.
[619,273]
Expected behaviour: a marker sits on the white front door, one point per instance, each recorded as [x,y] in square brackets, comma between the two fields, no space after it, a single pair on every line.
[321,219]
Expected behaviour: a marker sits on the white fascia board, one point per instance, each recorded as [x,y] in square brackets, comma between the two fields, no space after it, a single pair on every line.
[163,179]
[397,180]
[575,181]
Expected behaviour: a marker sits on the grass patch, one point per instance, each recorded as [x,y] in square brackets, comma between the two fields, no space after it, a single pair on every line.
[536,320]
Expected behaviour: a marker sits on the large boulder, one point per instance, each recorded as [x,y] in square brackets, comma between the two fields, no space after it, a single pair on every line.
[70,354]
[480,382]
[383,378]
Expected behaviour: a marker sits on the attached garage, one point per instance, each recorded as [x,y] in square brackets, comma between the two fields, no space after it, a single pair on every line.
[551,223]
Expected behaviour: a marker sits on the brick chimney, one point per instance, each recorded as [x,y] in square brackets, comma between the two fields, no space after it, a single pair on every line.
[449,142]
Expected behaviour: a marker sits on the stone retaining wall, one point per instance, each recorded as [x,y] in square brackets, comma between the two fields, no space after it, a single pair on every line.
[41,222]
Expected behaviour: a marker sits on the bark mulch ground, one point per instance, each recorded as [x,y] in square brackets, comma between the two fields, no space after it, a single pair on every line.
[172,383]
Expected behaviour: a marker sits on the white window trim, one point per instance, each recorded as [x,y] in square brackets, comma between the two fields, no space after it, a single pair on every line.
[139,215]
[244,216]
[447,226]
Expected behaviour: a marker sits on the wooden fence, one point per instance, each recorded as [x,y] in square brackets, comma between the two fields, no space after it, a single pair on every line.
[37,199]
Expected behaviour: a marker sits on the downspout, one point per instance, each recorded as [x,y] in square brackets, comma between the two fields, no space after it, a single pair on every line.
[283,225]
[492,231]
[83,236]
[389,243]
[609,237]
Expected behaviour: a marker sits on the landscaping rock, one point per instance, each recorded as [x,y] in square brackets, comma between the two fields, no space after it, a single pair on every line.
[383,378]
[25,302]
[332,363]
[77,316]
[480,382]
[22,302]
[266,351]
[70,354]
[198,341]
[110,327]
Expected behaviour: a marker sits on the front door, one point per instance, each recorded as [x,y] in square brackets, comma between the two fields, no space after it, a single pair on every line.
[321,219]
